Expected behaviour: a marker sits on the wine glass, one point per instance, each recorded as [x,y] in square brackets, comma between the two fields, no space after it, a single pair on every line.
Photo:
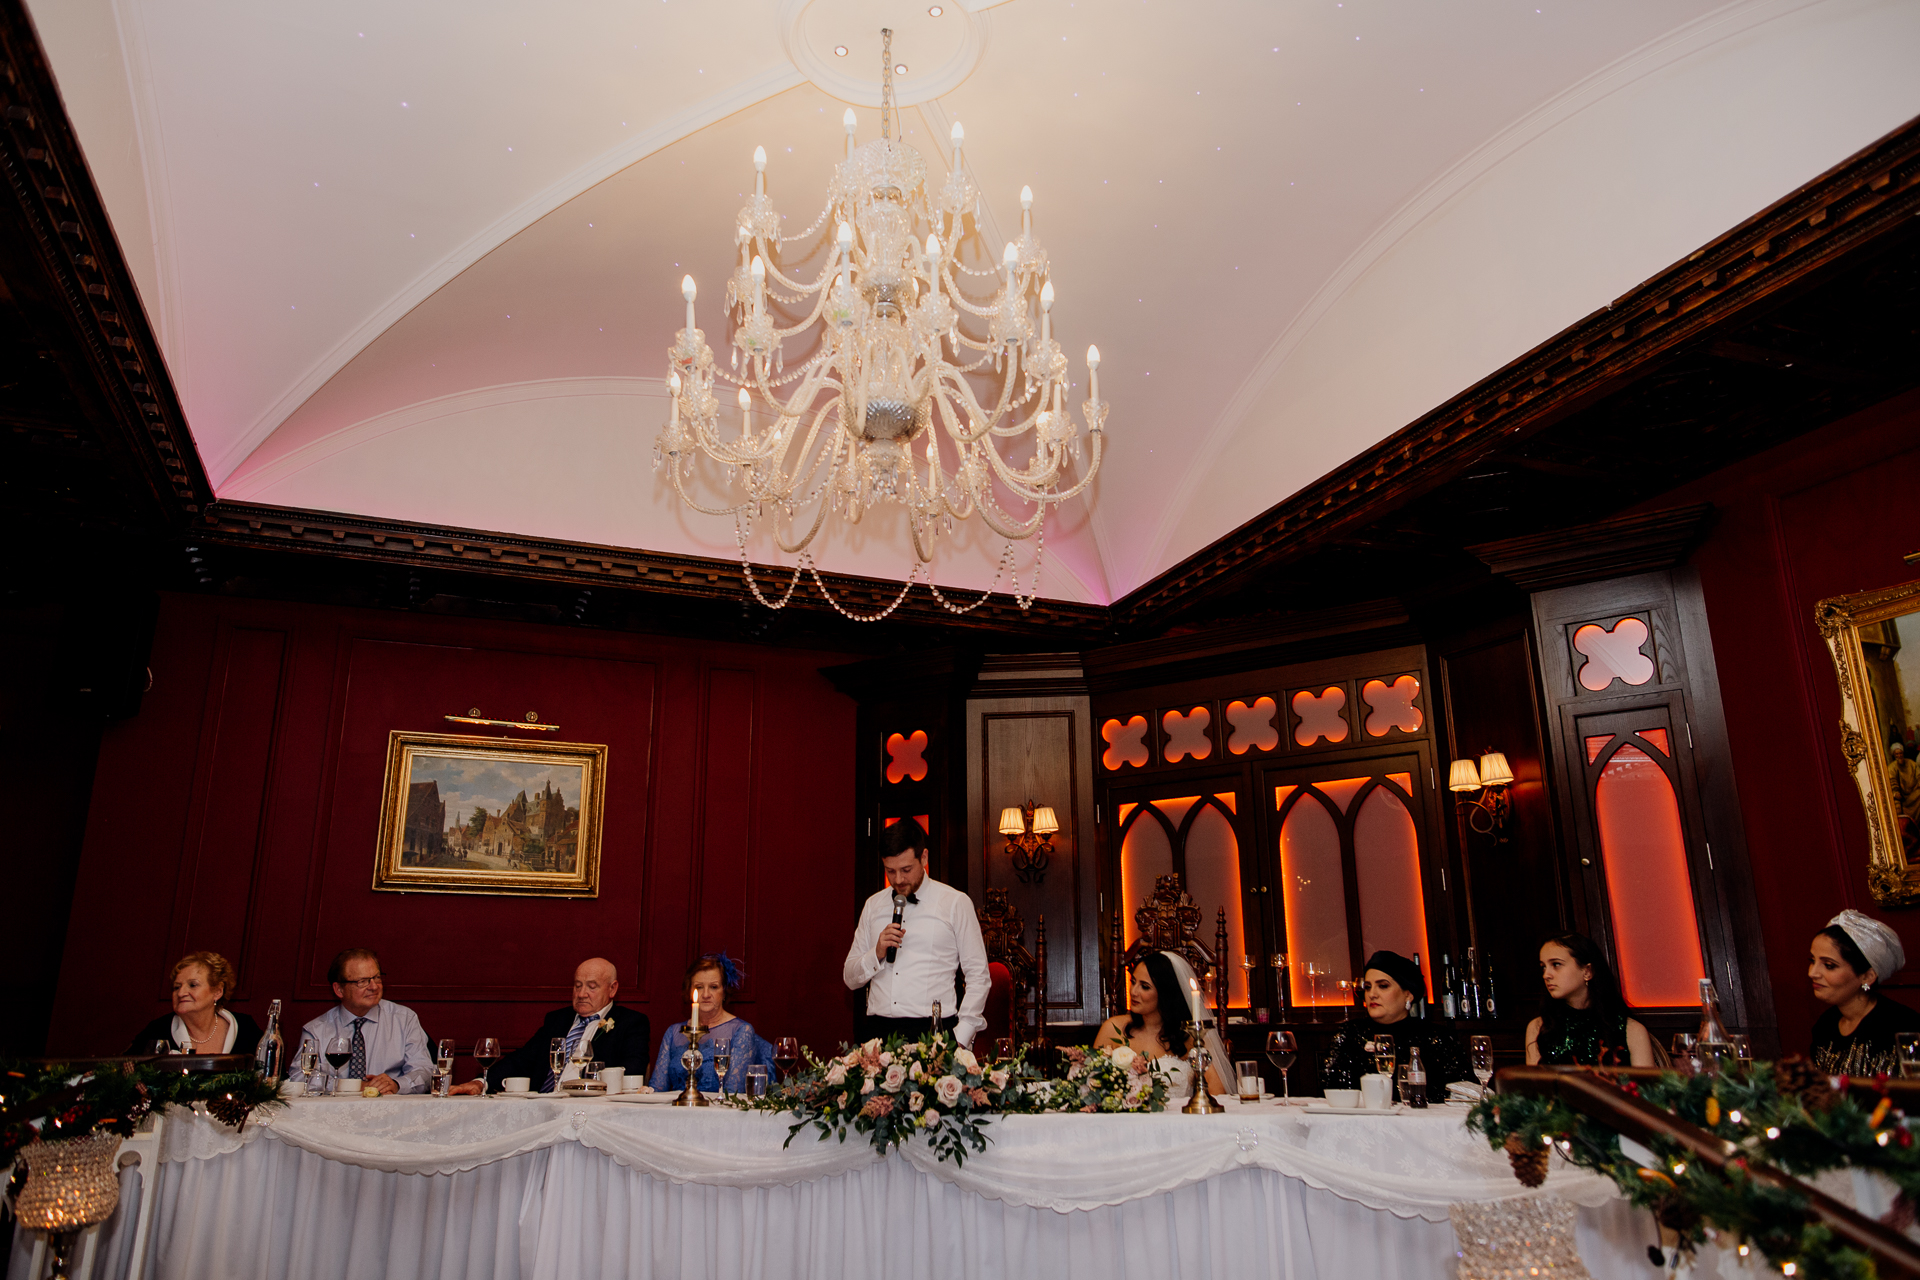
[162,1048]
[1907,1054]
[557,1057]
[442,1073]
[1480,1051]
[486,1051]
[1282,1049]
[1383,1054]
[338,1050]
[722,1064]
[786,1055]
[1742,1048]
[310,1062]
[1683,1052]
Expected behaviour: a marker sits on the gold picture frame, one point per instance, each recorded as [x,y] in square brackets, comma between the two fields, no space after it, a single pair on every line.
[462,814]
[1879,705]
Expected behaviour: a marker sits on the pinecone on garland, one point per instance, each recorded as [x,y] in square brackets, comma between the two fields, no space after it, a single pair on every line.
[1678,1214]
[230,1110]
[1796,1078]
[1529,1160]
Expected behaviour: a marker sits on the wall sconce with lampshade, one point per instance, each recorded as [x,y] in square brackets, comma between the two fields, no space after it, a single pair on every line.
[1029,831]
[1490,777]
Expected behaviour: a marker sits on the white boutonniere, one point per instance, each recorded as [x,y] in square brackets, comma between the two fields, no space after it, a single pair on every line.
[606,1024]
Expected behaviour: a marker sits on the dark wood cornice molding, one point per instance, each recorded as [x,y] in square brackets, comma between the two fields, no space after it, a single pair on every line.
[1251,644]
[1605,549]
[48,179]
[289,530]
[1864,197]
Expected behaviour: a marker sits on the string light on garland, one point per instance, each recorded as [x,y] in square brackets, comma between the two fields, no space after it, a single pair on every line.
[888,409]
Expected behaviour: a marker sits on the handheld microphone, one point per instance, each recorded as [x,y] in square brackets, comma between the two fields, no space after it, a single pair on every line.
[899,907]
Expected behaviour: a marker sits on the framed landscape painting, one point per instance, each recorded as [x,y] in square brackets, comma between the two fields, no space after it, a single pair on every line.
[486,815]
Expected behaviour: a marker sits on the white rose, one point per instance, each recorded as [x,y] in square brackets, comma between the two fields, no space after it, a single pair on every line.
[998,1078]
[916,1101]
[948,1088]
[886,1059]
[837,1074]
[896,1076]
[965,1058]
[871,1046]
[1123,1057]
[866,1085]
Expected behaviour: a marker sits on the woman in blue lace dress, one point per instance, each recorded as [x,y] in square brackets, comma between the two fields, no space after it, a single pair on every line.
[710,978]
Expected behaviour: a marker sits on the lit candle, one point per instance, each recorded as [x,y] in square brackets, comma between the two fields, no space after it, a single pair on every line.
[1093,374]
[1193,998]
[694,1018]
[759,171]
[689,291]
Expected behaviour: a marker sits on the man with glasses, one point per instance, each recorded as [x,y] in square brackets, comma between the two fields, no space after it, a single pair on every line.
[386,1047]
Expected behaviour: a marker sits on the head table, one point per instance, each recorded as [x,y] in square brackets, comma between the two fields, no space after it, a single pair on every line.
[561,1188]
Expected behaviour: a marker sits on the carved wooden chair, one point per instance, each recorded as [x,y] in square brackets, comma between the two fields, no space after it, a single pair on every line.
[1004,933]
[1169,921]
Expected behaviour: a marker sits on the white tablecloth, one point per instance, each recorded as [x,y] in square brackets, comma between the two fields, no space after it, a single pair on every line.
[421,1187]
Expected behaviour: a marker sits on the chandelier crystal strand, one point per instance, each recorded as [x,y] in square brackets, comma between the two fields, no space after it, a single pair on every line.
[917,392]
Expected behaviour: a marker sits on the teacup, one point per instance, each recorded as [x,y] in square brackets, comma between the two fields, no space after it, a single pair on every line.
[615,1078]
[516,1084]
[346,1085]
[1345,1099]
[292,1088]
[1376,1092]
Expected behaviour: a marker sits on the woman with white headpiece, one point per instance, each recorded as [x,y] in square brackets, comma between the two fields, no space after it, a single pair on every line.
[1159,1023]
[1849,960]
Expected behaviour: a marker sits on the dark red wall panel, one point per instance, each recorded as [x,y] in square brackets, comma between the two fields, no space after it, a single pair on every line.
[239,812]
[1825,515]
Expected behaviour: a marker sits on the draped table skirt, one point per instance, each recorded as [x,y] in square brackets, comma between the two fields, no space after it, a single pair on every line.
[556,1188]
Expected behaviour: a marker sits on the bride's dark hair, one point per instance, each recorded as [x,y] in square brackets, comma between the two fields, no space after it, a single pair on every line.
[1176,1018]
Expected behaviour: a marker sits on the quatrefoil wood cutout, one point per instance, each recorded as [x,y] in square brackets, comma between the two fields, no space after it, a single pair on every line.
[1253,728]
[1612,654]
[1392,706]
[1126,743]
[907,756]
[1320,715]
[1187,734]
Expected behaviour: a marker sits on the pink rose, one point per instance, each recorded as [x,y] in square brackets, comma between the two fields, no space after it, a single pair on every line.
[837,1073]
[878,1105]
[999,1079]
[866,1085]
[916,1100]
[843,1100]
[1140,1066]
[1074,1054]
[896,1076]
[947,1089]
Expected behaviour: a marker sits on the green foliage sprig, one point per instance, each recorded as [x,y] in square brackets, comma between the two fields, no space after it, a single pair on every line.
[1778,1115]
[58,1101]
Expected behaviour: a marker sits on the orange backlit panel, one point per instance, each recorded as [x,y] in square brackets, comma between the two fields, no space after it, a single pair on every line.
[1145,855]
[1406,784]
[1126,743]
[1643,850]
[1226,798]
[1125,809]
[1386,859]
[1253,727]
[907,756]
[1658,737]
[1392,706]
[1341,791]
[1612,654]
[1320,715]
[1314,898]
[1186,735]
[1213,878]
[1596,744]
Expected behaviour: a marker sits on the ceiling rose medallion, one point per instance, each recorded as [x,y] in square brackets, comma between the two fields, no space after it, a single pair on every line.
[915,391]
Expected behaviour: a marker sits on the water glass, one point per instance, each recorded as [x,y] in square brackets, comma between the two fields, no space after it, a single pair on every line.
[1906,1048]
[1684,1057]
[557,1055]
[1249,1076]
[1742,1048]
[442,1077]
[757,1081]
[1003,1048]
[162,1048]
[1480,1052]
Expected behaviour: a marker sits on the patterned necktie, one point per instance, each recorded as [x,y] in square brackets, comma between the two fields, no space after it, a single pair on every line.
[357,1053]
[573,1042]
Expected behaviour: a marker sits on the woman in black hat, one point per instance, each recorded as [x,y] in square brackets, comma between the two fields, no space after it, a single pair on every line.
[1391,984]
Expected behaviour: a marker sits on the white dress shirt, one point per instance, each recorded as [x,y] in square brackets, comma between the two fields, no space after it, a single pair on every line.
[942,935]
[184,1038]
[582,1052]
[396,1044]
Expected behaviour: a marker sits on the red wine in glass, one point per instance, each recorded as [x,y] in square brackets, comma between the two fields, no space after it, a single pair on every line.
[486,1052]
[337,1061]
[786,1056]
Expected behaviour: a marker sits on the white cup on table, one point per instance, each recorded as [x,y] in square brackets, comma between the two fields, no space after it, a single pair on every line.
[615,1078]
[348,1085]
[1345,1099]
[516,1084]
[1376,1092]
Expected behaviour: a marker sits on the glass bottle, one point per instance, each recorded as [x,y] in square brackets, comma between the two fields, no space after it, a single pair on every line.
[1710,1042]
[1449,1003]
[1489,1002]
[270,1059]
[1419,992]
[935,1025]
[1413,1090]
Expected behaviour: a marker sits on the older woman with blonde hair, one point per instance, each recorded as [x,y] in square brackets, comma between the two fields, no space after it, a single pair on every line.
[200,1021]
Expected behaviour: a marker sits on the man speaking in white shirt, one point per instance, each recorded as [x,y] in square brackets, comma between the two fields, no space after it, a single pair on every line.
[937,933]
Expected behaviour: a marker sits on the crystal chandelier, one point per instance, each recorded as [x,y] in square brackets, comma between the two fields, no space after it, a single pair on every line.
[899,355]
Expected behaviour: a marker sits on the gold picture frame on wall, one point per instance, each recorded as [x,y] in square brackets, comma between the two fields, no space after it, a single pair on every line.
[463,814]
[1874,637]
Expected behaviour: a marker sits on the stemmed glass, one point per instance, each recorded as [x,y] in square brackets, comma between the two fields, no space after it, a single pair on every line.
[338,1050]
[442,1068]
[486,1051]
[1684,1056]
[1280,993]
[309,1061]
[557,1057]
[722,1064]
[786,1056]
[1282,1049]
[1480,1051]
[1906,1047]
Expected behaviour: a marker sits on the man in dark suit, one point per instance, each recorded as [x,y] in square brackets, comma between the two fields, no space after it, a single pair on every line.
[592,1028]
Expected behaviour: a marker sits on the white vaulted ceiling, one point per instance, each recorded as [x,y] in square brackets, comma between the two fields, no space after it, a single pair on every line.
[421,260]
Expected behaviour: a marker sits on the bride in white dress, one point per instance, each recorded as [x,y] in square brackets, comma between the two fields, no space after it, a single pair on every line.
[1159,1023]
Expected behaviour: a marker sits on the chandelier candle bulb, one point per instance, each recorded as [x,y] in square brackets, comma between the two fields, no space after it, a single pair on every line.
[689,291]
[849,120]
[759,284]
[759,171]
[1093,374]
[1046,317]
[843,236]
[1026,213]
[1010,260]
[958,137]
[746,415]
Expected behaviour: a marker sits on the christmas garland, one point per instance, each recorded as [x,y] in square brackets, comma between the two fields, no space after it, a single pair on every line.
[1782,1116]
[56,1101]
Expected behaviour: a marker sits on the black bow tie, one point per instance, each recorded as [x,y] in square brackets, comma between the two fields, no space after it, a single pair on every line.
[914,898]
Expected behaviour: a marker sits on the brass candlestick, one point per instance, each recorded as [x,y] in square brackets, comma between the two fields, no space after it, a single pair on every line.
[692,1060]
[1200,1102]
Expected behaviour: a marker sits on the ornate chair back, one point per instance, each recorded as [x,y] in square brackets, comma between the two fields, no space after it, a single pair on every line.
[1169,921]
[1004,933]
